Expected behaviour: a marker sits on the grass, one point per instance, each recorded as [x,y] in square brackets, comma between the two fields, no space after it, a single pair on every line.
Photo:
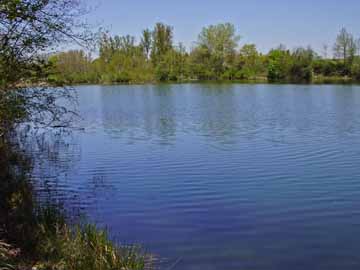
[333,80]
[83,247]
[56,245]
[5,256]
[78,248]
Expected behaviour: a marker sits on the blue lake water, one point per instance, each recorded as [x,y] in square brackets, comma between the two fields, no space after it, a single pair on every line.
[219,176]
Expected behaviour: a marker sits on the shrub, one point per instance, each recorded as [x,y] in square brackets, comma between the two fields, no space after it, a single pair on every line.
[355,71]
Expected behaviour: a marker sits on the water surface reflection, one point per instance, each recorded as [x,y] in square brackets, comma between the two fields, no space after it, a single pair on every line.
[223,176]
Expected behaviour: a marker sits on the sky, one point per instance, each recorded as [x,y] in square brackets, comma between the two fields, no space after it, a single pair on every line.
[267,23]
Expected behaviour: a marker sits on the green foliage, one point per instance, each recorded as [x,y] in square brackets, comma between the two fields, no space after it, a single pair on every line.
[345,49]
[345,46]
[83,247]
[301,69]
[121,61]
[250,63]
[220,40]
[162,42]
[215,56]
[279,65]
[285,66]
[330,68]
[355,70]
[200,64]
[220,43]
[28,29]
[73,67]
[146,42]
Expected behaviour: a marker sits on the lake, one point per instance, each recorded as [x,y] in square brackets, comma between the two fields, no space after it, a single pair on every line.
[218,176]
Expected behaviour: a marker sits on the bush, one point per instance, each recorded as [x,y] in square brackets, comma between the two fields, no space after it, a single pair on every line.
[301,73]
[355,71]
[244,74]
[279,64]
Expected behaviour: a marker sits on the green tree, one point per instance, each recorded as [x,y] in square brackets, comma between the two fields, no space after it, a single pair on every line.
[301,69]
[146,42]
[201,64]
[73,66]
[345,46]
[172,65]
[249,62]
[122,60]
[28,29]
[279,64]
[162,37]
[355,70]
[220,41]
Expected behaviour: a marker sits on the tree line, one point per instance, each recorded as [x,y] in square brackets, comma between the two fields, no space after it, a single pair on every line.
[216,55]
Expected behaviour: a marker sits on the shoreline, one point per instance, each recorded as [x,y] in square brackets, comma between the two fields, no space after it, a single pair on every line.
[349,83]
[317,80]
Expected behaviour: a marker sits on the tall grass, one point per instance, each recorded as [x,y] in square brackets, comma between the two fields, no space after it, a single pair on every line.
[84,248]
[7,253]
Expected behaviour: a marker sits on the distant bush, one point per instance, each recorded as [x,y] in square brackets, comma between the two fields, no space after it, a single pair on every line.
[355,70]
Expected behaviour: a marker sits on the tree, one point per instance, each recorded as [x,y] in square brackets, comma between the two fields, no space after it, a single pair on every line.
[279,64]
[221,42]
[249,63]
[301,69]
[146,42]
[171,67]
[73,66]
[28,29]
[200,64]
[162,37]
[122,60]
[295,67]
[355,70]
[345,46]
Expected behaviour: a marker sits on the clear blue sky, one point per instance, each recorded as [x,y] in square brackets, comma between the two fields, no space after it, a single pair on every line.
[267,23]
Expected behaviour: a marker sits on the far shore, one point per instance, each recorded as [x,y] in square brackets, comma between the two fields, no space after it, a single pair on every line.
[316,81]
